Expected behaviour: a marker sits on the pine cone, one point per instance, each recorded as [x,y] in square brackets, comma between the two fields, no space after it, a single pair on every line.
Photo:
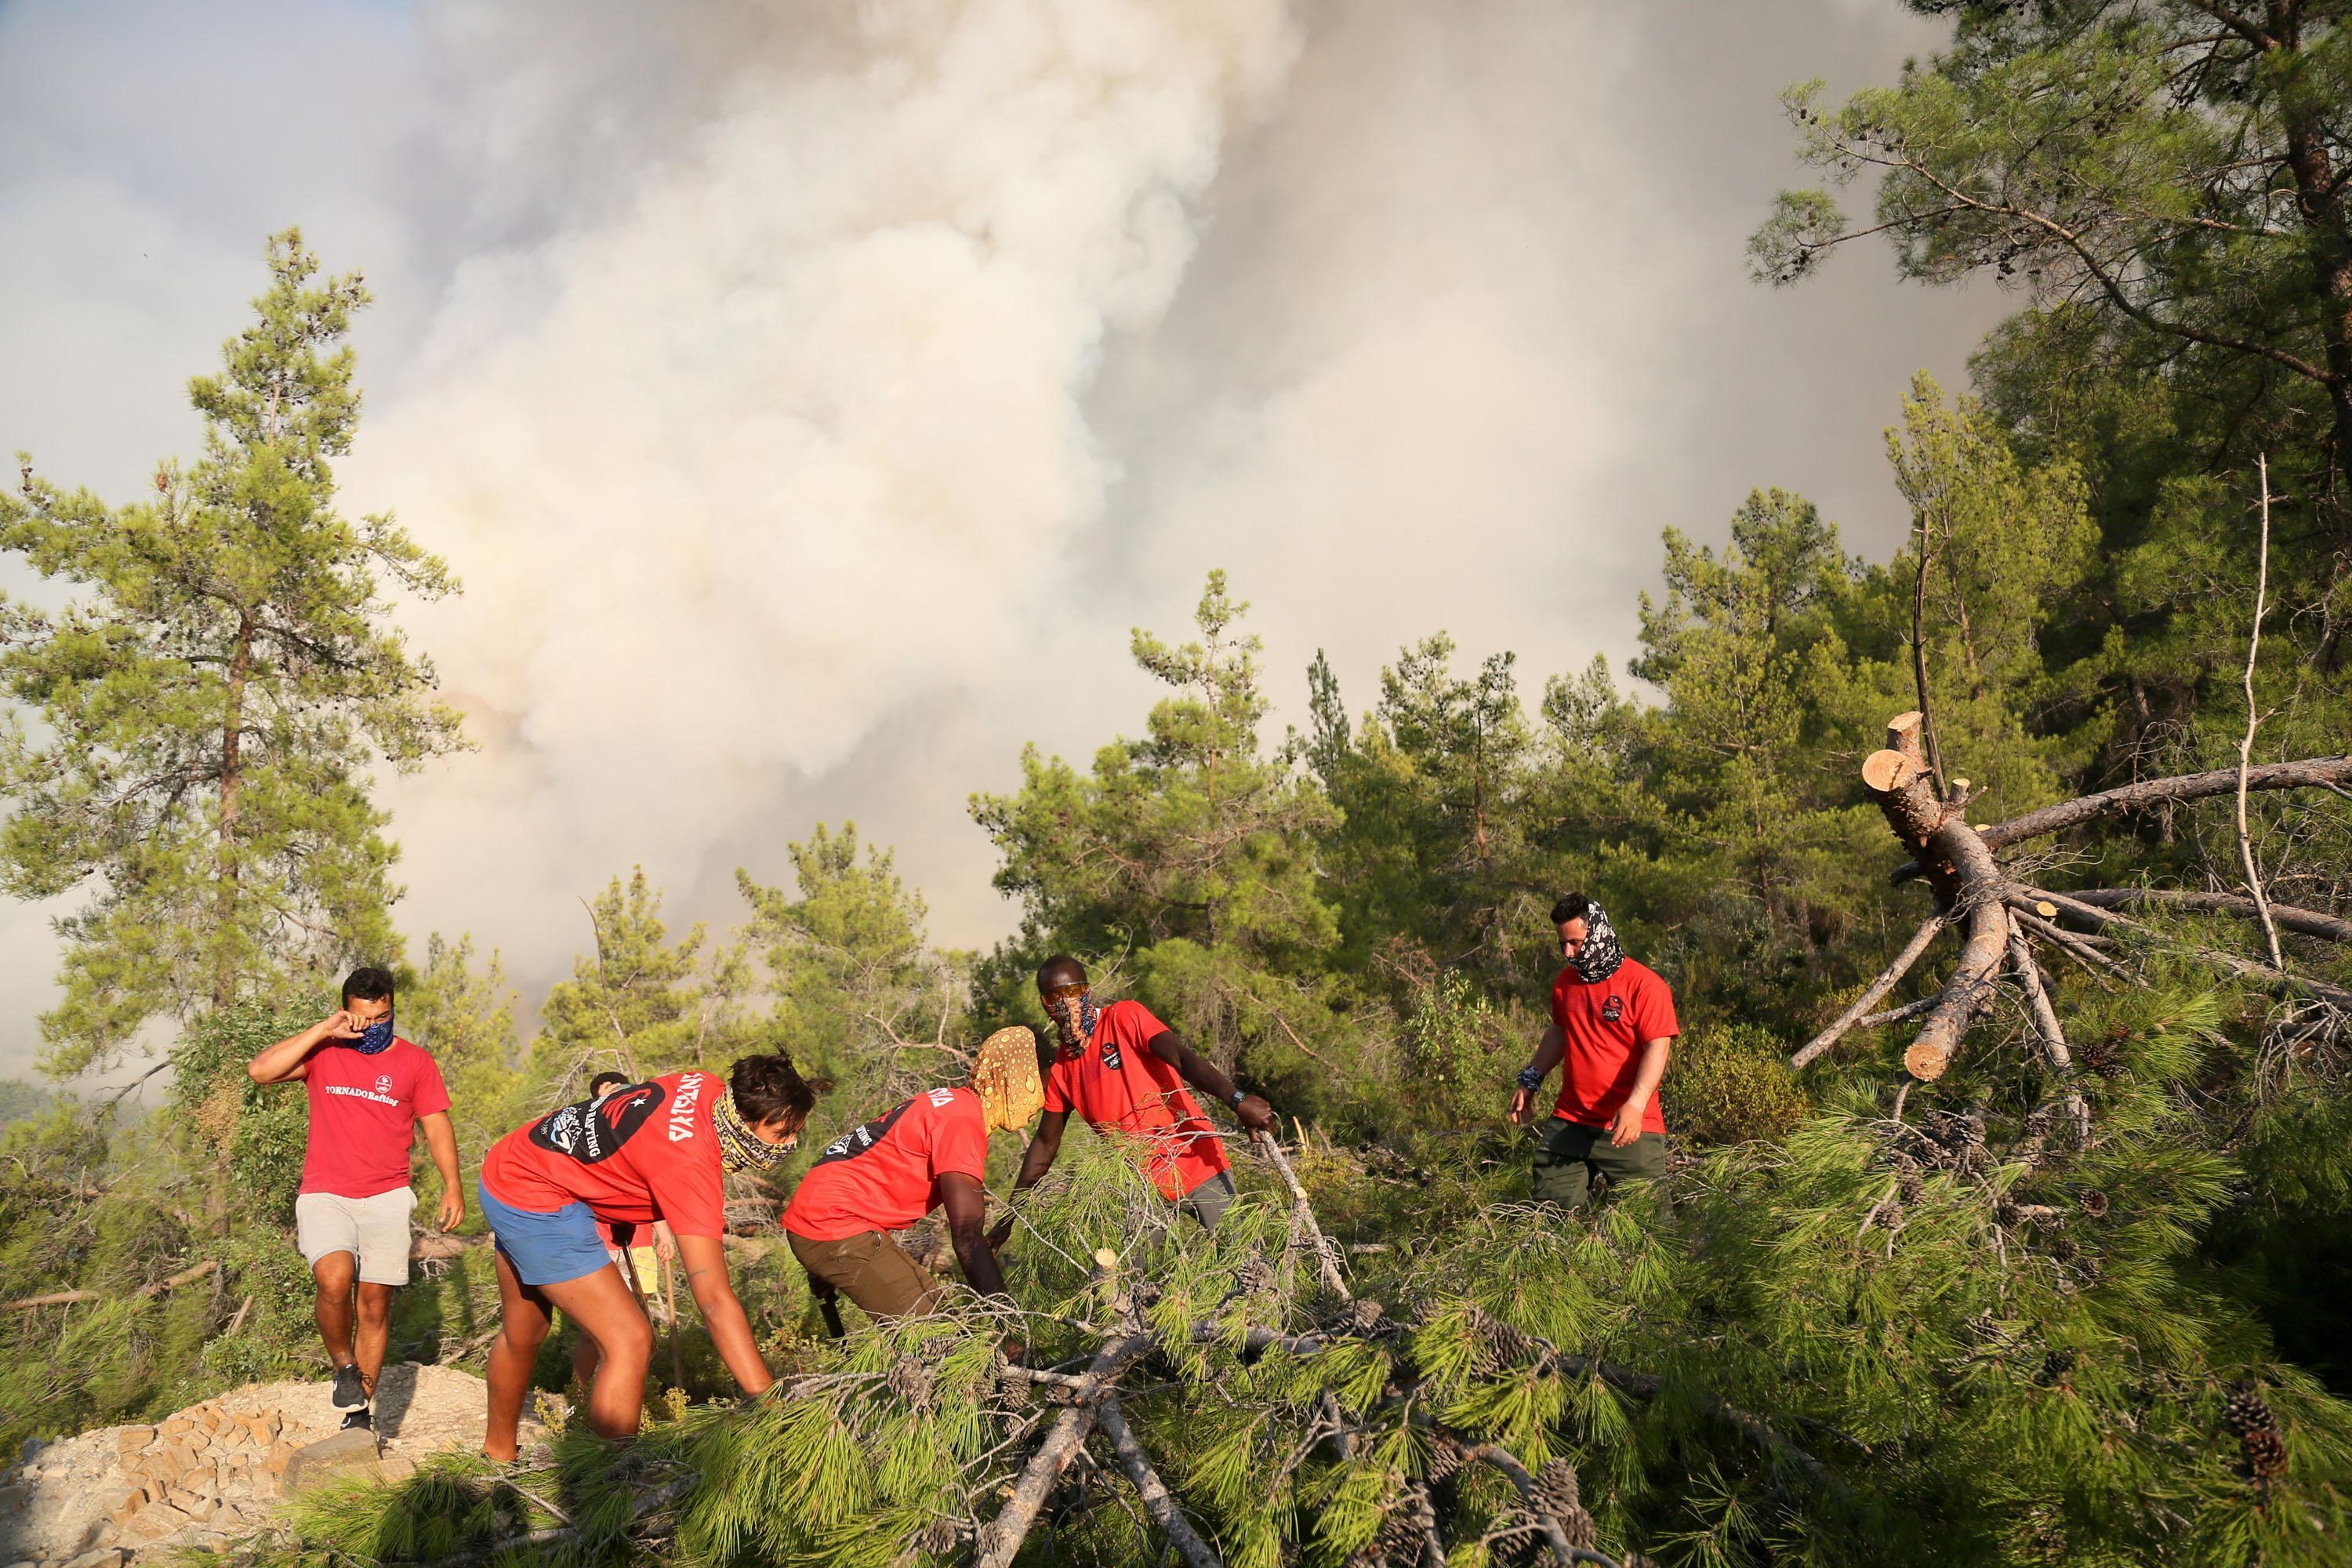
[937,1537]
[2004,1213]
[2094,1203]
[911,1381]
[2056,1364]
[1446,1457]
[2265,1453]
[2246,1412]
[1501,1344]
[1557,1494]
[2065,1250]
[1913,1187]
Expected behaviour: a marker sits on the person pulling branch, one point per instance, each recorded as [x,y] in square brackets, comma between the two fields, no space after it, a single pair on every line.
[1126,1072]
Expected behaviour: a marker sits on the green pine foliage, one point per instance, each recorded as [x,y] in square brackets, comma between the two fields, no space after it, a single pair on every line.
[207,714]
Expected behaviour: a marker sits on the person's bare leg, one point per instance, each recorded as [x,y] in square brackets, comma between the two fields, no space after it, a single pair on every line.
[606,1311]
[585,1356]
[334,1274]
[522,1327]
[374,1331]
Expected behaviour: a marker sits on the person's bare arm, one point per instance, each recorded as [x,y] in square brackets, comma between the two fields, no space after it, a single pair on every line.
[1202,1074]
[1549,1050]
[1034,1166]
[291,1057]
[966,1202]
[722,1314]
[441,1142]
[1042,1150]
[1626,1125]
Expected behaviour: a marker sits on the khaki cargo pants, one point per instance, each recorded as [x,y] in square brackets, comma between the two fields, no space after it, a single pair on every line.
[1571,1154]
[872,1269]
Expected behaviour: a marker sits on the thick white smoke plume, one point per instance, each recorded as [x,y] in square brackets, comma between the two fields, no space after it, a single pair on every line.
[766,413]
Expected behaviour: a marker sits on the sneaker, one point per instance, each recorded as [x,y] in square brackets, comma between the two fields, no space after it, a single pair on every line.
[349,1391]
[359,1420]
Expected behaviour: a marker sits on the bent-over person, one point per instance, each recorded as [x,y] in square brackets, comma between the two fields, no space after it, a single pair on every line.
[652,1150]
[931,1152]
[369,1092]
[1613,1022]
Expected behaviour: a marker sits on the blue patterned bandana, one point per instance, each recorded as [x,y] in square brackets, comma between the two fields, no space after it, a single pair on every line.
[378,1038]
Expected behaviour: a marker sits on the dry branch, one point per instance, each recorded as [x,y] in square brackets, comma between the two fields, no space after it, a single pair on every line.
[67,1298]
[1000,1542]
[2303,923]
[2099,918]
[2254,723]
[2315,773]
[1872,994]
[1157,1499]
[1303,1214]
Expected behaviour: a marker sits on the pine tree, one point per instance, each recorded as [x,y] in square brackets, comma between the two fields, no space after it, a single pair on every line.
[205,716]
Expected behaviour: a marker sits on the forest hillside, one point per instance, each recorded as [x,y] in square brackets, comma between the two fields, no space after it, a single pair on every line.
[2003,884]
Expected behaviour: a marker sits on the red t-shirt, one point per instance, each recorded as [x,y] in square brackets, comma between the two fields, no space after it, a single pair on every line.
[1121,1088]
[639,1155]
[363,1113]
[885,1175]
[1606,1025]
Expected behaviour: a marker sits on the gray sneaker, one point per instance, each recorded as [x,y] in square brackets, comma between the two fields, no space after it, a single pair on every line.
[351,1392]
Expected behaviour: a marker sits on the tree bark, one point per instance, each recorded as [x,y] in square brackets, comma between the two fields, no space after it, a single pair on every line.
[2312,773]
[232,787]
[1157,1499]
[67,1298]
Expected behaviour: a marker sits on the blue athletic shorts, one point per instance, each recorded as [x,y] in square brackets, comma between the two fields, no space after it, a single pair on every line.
[545,1248]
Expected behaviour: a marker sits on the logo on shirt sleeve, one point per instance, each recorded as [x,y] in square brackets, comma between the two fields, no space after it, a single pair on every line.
[1613,1008]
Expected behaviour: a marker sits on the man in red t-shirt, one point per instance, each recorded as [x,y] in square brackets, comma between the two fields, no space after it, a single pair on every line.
[1612,1021]
[369,1090]
[931,1152]
[1125,1072]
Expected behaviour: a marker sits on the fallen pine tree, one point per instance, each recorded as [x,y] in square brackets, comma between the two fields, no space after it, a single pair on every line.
[1872,1343]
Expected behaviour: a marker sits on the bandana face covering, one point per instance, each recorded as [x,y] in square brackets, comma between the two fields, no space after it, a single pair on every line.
[740,1149]
[377,1038]
[1074,1019]
[1600,955]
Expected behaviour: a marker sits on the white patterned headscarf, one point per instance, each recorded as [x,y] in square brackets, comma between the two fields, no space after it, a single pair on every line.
[1600,955]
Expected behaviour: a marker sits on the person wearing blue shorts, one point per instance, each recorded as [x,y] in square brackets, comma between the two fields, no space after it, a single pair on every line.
[648,1151]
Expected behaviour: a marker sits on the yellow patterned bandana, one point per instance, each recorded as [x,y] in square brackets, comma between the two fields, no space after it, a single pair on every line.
[1004,1076]
[740,1147]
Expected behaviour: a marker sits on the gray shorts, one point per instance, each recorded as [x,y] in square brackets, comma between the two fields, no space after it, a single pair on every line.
[373,1230]
[1208,1202]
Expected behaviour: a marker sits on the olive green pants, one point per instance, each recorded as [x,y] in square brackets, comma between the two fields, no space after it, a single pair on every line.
[1571,1154]
[872,1269]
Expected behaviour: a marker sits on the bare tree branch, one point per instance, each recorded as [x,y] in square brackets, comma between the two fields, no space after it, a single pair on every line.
[2255,719]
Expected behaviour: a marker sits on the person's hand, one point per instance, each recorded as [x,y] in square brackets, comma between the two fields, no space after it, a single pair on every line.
[665,1241]
[1001,1233]
[1522,1105]
[1626,1125]
[339,1025]
[1254,1113]
[453,1206]
[1014,1352]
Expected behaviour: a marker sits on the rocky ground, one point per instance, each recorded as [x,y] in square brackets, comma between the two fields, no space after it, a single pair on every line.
[214,1470]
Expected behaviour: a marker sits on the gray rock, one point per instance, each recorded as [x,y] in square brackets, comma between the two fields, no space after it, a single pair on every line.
[104,1557]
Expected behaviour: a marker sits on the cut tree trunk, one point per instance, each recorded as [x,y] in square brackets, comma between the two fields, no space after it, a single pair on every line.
[1968,886]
